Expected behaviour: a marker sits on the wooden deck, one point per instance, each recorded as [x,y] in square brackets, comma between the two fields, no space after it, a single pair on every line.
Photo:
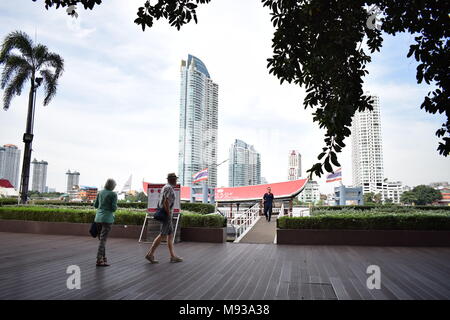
[34,267]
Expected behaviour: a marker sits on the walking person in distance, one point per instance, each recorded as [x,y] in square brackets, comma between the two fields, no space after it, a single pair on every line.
[166,201]
[106,205]
[268,202]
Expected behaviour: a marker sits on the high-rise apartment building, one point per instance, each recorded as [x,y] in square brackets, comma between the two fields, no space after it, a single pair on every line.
[244,165]
[198,122]
[294,165]
[39,176]
[73,180]
[367,153]
[9,164]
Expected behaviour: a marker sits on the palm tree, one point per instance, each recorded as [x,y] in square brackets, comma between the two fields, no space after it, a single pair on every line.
[24,61]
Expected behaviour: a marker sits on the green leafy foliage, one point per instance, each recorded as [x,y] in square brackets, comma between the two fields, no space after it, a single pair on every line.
[365,221]
[31,61]
[201,220]
[421,195]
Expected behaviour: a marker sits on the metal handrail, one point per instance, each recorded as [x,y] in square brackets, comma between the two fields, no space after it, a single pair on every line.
[281,213]
[241,222]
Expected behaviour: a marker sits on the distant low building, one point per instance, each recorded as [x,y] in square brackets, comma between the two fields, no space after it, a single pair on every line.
[311,192]
[391,191]
[444,188]
[348,195]
[7,189]
[87,194]
[440,185]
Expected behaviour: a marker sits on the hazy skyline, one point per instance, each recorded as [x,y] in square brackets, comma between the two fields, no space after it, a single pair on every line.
[119,95]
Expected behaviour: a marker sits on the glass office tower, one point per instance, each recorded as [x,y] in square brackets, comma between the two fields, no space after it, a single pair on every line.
[198,122]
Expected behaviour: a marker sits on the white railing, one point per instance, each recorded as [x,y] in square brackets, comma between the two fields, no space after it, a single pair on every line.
[242,221]
[281,211]
[229,212]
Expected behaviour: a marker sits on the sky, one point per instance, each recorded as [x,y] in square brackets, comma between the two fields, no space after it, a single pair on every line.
[116,112]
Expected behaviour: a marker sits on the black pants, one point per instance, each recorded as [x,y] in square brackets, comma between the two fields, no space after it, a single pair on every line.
[268,211]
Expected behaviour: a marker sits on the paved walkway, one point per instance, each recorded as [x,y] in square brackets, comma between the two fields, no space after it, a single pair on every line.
[34,267]
[262,231]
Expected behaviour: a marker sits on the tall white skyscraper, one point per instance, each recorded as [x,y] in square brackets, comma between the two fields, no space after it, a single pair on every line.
[367,151]
[244,165]
[39,175]
[198,122]
[294,165]
[73,179]
[9,164]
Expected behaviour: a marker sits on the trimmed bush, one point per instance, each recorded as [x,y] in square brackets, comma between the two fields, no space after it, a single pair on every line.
[390,207]
[7,201]
[199,220]
[380,210]
[202,208]
[36,213]
[358,221]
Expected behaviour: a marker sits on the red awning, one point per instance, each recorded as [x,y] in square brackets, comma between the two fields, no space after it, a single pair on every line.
[280,190]
[5,184]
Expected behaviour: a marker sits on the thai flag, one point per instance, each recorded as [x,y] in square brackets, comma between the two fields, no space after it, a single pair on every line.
[200,176]
[335,176]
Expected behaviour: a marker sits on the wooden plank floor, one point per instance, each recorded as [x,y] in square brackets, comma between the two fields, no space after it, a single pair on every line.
[34,267]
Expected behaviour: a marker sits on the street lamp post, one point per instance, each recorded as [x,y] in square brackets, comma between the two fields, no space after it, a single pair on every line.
[28,139]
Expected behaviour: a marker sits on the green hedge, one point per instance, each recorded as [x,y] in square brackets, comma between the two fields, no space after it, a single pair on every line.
[390,207]
[202,208]
[81,215]
[37,213]
[381,210]
[7,201]
[360,221]
[200,220]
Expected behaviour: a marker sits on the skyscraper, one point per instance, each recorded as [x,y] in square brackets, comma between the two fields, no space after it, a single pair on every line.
[9,164]
[73,180]
[198,122]
[244,165]
[39,176]
[294,165]
[367,153]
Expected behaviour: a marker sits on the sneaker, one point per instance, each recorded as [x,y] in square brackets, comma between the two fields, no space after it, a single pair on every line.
[151,259]
[176,259]
[101,263]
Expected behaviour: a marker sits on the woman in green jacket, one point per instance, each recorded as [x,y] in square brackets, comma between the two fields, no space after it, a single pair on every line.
[106,204]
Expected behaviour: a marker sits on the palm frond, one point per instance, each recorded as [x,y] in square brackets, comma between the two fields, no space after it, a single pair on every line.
[17,40]
[14,88]
[13,65]
[50,85]
[55,61]
[40,53]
